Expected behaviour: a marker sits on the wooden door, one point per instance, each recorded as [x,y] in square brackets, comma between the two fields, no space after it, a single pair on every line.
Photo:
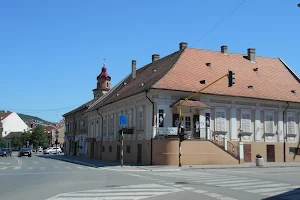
[270,153]
[92,150]
[247,152]
[139,154]
[118,152]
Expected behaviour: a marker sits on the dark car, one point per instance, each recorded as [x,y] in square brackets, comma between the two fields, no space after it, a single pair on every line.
[5,152]
[24,152]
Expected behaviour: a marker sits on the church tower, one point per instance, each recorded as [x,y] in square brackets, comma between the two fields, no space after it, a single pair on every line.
[103,82]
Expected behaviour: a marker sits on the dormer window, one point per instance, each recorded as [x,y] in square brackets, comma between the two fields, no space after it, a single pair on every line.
[107,84]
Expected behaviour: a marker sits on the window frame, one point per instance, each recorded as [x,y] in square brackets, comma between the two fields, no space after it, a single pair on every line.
[224,119]
[247,112]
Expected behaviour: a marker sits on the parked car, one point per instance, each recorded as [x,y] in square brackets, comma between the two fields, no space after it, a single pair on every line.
[5,152]
[52,150]
[25,152]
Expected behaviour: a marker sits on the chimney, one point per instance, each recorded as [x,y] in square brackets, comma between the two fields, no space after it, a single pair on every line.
[224,49]
[182,45]
[155,57]
[251,55]
[133,69]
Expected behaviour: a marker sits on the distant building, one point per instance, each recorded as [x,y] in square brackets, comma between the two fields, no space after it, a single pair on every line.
[11,124]
[76,121]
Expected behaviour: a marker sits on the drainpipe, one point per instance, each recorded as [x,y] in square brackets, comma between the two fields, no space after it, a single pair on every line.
[284,135]
[152,125]
[101,133]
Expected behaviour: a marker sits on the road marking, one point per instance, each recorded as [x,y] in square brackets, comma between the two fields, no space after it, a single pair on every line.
[3,168]
[2,163]
[16,168]
[123,192]
[79,167]
[68,167]
[30,168]
[37,173]
[35,162]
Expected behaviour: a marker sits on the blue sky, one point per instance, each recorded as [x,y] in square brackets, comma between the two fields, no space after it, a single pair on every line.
[51,51]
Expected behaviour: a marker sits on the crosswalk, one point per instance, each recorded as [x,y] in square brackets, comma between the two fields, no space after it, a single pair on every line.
[250,185]
[134,192]
[44,168]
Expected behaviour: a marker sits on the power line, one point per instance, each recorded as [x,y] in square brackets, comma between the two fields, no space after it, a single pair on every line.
[42,110]
[235,9]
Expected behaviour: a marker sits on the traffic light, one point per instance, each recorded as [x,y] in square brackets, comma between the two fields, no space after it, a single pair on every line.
[120,136]
[230,78]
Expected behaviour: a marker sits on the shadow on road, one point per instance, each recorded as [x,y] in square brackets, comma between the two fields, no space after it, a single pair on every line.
[84,161]
[293,194]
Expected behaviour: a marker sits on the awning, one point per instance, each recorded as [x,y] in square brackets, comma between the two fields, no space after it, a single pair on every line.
[191,103]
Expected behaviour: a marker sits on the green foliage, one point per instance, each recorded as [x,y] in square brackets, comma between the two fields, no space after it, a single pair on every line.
[39,137]
[16,141]
[2,143]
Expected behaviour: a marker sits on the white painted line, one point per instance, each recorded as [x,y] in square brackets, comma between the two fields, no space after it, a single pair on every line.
[115,193]
[187,188]
[199,191]
[35,162]
[3,168]
[245,184]
[145,186]
[2,163]
[224,181]
[16,168]
[261,185]
[240,181]
[272,189]
[126,190]
[102,198]
[213,195]
[79,167]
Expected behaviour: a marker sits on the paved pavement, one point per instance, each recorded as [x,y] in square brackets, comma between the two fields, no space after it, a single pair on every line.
[51,178]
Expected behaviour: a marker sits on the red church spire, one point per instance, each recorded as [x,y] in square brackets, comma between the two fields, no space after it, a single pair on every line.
[104,73]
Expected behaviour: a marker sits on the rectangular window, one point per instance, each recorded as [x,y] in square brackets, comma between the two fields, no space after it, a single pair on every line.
[140,120]
[291,124]
[128,149]
[220,121]
[161,118]
[110,149]
[187,123]
[103,148]
[130,120]
[269,122]
[104,126]
[111,124]
[246,121]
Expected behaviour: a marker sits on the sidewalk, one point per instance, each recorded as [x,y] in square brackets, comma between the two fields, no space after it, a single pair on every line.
[112,165]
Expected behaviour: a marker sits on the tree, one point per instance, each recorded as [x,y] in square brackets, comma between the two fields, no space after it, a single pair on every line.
[39,137]
[2,143]
[16,141]
[26,137]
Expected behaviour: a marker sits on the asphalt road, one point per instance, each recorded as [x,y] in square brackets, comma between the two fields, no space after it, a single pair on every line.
[43,178]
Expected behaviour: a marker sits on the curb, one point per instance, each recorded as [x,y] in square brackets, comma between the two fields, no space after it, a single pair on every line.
[253,167]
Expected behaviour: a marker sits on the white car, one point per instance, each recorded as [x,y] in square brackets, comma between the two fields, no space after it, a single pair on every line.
[53,150]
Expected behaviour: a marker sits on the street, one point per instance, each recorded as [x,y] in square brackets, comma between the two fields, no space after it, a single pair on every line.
[42,177]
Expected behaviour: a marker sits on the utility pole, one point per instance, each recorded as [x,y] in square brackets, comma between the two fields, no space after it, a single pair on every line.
[230,83]
[122,152]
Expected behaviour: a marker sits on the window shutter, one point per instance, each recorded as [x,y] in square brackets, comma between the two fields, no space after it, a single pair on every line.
[220,121]
[269,123]
[291,125]
[246,122]
[196,123]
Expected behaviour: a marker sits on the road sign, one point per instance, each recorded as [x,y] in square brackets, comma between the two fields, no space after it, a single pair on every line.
[123,120]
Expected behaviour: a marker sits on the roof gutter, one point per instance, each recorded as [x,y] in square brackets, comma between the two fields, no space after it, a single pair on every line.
[151,154]
[101,133]
[285,135]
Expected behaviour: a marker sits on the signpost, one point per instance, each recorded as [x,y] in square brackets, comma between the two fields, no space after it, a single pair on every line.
[122,123]
[56,140]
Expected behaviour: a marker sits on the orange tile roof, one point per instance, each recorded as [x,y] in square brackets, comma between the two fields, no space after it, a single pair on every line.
[272,81]
[4,115]
[183,70]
